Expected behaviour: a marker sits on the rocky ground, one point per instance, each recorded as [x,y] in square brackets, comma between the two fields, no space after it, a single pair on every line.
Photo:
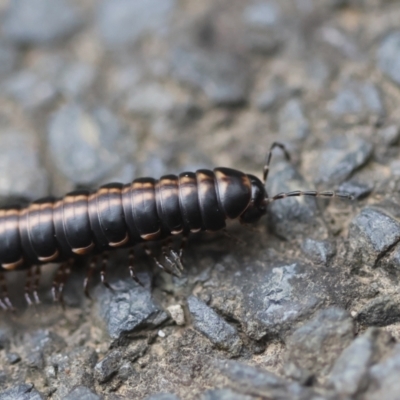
[307,305]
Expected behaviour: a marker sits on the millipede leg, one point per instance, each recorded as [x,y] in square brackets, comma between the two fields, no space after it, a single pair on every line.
[269,156]
[183,246]
[159,265]
[104,262]
[177,259]
[28,285]
[230,236]
[55,287]
[35,286]
[89,274]
[5,300]
[131,258]
[65,274]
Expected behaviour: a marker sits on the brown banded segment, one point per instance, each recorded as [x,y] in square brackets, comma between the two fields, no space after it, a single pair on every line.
[59,228]
[98,235]
[27,248]
[233,190]
[41,230]
[144,208]
[111,214]
[167,196]
[126,197]
[189,201]
[75,213]
[10,248]
[211,212]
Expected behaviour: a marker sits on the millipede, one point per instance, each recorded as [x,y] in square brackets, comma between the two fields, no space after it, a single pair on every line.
[90,223]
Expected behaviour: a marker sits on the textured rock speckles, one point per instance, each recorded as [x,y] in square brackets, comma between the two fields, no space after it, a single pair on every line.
[388,56]
[215,328]
[372,233]
[319,251]
[81,393]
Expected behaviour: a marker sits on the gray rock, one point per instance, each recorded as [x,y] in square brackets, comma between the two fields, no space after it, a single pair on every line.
[22,175]
[359,190]
[262,14]
[349,374]
[279,297]
[314,347]
[319,251]
[389,135]
[42,343]
[271,97]
[344,154]
[23,391]
[162,396]
[257,382]
[263,32]
[105,369]
[75,79]
[8,58]
[380,311]
[391,262]
[293,124]
[224,394]
[87,145]
[388,56]
[13,358]
[29,90]
[81,393]
[224,77]
[38,22]
[357,98]
[74,368]
[128,308]
[151,99]
[384,376]
[293,216]
[371,234]
[215,328]
[123,22]
[5,338]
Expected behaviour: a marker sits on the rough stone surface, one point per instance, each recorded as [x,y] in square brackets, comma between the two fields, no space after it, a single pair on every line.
[129,308]
[23,391]
[372,233]
[83,393]
[112,90]
[313,348]
[211,325]
[343,156]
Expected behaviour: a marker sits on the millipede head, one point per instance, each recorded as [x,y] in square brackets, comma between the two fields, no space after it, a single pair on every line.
[257,206]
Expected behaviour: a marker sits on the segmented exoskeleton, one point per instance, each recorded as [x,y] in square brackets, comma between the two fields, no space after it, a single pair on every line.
[116,215]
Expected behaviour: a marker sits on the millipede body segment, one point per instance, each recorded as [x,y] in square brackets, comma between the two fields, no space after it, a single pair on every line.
[117,215]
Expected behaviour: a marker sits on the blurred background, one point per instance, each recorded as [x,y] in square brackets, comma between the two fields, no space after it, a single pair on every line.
[95,91]
[99,91]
